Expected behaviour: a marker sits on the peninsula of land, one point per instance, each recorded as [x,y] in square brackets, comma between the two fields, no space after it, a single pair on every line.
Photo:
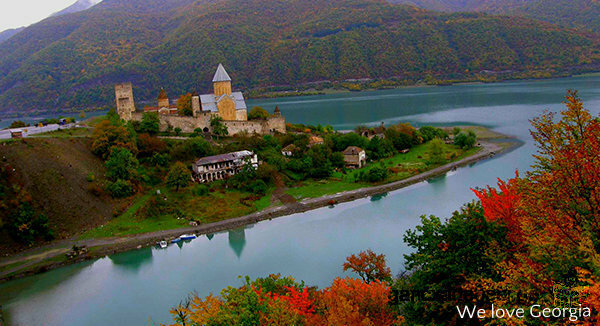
[61,253]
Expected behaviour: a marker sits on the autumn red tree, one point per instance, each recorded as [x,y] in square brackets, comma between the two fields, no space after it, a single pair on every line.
[553,214]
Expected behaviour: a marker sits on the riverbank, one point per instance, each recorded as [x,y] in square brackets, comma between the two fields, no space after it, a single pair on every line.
[368,84]
[54,256]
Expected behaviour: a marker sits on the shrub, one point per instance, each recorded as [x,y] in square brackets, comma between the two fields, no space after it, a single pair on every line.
[258,187]
[149,145]
[375,174]
[95,189]
[201,190]
[120,188]
[90,177]
[266,172]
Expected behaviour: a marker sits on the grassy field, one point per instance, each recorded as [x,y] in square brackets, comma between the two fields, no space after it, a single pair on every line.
[401,166]
[64,133]
[180,207]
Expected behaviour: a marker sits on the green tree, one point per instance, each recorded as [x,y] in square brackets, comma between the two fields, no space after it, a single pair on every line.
[337,160]
[428,133]
[436,151]
[177,131]
[179,176]
[26,226]
[258,113]
[121,164]
[150,123]
[445,255]
[109,134]
[18,124]
[218,127]
[465,140]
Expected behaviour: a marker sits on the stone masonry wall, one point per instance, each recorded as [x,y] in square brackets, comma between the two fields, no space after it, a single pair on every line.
[202,120]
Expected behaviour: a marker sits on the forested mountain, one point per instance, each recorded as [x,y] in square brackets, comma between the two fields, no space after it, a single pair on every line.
[581,14]
[5,35]
[74,60]
[78,6]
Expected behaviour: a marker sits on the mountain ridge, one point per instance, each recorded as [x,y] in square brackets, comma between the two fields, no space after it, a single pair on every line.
[75,59]
[580,14]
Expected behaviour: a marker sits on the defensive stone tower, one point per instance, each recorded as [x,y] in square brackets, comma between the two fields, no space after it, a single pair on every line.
[124,99]
[195,103]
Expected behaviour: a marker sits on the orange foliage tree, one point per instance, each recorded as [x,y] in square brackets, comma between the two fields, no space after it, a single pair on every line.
[369,266]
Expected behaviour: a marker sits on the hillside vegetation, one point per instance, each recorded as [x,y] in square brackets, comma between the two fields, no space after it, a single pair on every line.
[580,14]
[53,175]
[75,59]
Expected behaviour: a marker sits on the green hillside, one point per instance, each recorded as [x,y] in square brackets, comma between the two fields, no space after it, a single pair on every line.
[580,14]
[74,60]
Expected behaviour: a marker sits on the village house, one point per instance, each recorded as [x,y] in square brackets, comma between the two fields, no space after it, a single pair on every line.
[218,167]
[16,133]
[289,150]
[315,140]
[378,132]
[355,157]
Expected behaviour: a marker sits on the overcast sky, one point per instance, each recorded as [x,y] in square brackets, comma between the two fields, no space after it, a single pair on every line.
[17,13]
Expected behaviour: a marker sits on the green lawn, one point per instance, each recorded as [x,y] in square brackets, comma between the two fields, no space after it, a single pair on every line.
[216,206]
[401,166]
[128,223]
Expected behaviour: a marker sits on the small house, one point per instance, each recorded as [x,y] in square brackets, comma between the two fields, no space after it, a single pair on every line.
[16,133]
[315,140]
[354,157]
[289,150]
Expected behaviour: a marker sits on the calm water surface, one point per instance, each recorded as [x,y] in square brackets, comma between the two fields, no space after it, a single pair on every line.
[136,287]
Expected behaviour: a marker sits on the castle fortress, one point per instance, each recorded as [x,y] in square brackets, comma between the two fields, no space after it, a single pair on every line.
[228,105]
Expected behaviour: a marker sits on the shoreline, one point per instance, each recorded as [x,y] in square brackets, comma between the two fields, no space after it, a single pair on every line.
[98,248]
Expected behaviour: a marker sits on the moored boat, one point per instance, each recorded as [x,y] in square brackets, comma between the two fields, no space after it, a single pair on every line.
[187,236]
[163,244]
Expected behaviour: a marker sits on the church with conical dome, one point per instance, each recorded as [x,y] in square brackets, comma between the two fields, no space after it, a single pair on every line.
[230,105]
[223,102]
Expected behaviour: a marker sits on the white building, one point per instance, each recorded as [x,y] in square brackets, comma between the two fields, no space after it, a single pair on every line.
[217,167]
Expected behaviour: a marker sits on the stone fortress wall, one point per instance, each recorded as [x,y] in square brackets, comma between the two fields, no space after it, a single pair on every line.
[202,121]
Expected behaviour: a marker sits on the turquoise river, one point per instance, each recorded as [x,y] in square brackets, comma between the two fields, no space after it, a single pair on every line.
[139,287]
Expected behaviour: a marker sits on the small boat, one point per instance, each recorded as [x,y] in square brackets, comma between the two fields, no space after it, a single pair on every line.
[187,236]
[163,244]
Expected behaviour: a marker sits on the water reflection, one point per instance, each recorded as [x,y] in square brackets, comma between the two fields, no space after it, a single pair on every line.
[132,260]
[237,241]
[379,196]
[210,236]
